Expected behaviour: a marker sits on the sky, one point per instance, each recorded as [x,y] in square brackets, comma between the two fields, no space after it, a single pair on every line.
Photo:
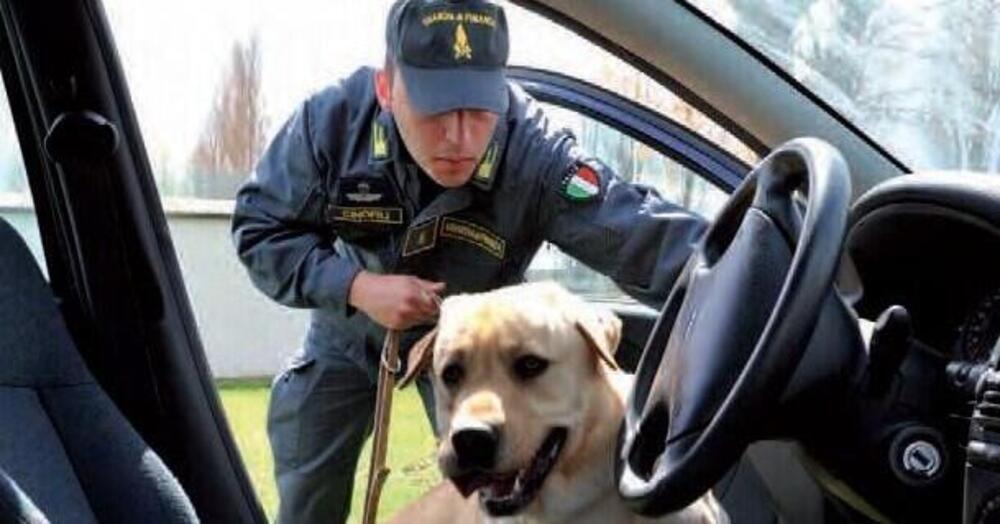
[175,54]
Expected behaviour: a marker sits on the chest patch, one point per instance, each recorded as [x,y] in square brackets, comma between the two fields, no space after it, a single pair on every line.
[421,238]
[365,190]
[474,234]
[367,215]
[365,201]
[363,194]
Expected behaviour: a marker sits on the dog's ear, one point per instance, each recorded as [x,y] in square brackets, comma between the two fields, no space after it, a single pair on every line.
[421,355]
[602,330]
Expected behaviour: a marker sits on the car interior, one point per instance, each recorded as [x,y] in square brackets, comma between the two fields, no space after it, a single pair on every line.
[838,326]
[74,452]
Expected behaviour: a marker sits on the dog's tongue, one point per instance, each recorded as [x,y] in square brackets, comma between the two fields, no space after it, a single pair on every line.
[469,483]
[508,493]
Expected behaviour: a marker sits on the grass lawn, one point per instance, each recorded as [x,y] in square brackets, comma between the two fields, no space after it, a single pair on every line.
[411,448]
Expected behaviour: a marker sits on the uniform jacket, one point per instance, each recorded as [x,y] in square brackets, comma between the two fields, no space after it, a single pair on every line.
[336,192]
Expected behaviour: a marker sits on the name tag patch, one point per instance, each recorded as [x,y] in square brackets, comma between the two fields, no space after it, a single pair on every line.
[474,234]
[368,215]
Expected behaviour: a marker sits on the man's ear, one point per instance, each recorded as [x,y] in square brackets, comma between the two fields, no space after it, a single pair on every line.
[421,356]
[383,88]
[602,330]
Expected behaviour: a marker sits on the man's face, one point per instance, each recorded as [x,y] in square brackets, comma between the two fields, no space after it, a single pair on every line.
[447,146]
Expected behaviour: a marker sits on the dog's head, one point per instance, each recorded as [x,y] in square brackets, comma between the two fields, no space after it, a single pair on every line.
[515,374]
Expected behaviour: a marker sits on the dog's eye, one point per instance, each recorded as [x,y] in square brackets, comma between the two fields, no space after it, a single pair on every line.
[530,366]
[452,375]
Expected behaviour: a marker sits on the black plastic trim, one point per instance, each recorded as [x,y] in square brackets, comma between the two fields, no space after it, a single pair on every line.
[132,140]
[660,132]
[30,132]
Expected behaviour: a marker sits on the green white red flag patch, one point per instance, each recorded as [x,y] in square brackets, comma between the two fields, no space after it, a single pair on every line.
[582,184]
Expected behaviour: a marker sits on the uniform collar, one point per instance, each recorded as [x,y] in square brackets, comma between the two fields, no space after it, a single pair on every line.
[386,145]
[386,153]
[486,172]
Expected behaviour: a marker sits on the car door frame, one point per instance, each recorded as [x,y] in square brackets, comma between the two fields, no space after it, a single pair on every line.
[111,262]
[656,130]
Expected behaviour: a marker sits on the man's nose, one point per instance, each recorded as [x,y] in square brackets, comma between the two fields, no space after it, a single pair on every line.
[454,124]
[475,445]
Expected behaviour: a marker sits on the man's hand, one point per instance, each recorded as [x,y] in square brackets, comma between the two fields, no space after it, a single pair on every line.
[396,301]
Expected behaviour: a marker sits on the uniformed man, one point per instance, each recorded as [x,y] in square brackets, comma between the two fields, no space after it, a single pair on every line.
[394,187]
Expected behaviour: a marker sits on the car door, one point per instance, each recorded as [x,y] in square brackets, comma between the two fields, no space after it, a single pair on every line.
[107,247]
[644,146]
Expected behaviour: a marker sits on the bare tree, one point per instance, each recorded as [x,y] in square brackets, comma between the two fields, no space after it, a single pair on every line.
[233,138]
[922,76]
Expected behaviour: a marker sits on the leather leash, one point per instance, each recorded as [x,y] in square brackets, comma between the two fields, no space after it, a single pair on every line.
[378,470]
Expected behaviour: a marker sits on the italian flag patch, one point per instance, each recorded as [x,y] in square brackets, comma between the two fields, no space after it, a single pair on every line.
[582,184]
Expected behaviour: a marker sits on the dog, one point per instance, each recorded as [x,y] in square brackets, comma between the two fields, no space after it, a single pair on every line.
[529,402]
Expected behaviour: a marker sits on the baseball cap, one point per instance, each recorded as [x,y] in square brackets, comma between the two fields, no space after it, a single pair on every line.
[451,53]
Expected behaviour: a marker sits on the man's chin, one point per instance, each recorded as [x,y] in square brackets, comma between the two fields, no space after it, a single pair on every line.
[450,179]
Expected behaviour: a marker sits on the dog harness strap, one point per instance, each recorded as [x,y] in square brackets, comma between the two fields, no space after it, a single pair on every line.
[378,471]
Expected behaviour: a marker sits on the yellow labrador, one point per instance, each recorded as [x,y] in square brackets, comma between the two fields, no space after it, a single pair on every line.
[529,402]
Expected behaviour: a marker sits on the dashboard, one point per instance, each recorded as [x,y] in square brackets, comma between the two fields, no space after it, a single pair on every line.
[928,243]
[931,243]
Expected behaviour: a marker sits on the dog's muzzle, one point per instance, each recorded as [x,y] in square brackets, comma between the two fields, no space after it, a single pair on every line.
[503,494]
[475,447]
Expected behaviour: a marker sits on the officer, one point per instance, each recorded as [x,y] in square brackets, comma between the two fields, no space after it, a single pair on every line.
[394,187]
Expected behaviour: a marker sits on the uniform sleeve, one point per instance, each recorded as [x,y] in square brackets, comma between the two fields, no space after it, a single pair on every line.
[278,224]
[625,231]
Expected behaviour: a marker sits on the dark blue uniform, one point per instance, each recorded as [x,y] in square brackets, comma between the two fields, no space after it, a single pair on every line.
[336,192]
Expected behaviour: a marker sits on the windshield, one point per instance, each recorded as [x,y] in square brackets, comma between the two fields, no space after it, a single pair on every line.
[921,77]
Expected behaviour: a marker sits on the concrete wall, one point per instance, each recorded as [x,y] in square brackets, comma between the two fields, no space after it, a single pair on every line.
[244,332]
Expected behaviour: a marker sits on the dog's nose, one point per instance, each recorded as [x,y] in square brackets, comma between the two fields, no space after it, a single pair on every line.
[475,446]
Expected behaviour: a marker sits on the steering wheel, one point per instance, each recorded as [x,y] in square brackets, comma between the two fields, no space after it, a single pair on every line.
[734,327]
